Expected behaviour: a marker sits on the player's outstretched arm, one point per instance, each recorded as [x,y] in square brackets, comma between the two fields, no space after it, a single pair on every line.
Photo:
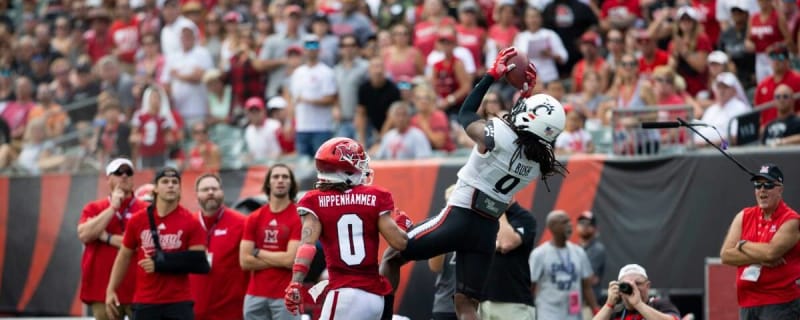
[392,232]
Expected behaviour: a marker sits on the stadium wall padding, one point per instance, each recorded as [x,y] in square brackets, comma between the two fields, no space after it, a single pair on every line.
[666,214]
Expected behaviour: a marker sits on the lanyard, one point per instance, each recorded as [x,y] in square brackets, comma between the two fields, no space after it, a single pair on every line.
[564,261]
[210,230]
[121,216]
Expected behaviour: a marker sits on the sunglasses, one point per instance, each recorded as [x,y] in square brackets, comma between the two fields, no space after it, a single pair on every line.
[662,80]
[777,56]
[347,45]
[120,173]
[618,40]
[491,101]
[783,96]
[765,185]
[629,64]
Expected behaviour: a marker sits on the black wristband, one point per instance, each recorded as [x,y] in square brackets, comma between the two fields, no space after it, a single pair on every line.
[108,239]
[255,252]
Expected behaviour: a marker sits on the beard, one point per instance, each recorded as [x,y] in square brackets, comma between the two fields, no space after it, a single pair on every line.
[211,204]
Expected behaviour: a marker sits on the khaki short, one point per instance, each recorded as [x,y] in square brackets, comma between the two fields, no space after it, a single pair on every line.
[489,310]
[99,310]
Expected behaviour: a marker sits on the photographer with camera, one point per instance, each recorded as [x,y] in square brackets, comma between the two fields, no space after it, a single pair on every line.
[631,288]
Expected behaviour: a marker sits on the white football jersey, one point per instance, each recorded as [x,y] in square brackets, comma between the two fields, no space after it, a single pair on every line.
[491,172]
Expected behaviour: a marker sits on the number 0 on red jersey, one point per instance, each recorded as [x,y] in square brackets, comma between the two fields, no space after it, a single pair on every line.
[350,234]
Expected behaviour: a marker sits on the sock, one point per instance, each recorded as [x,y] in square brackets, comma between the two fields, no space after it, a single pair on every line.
[388,307]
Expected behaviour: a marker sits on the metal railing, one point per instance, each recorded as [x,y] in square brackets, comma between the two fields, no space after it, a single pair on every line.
[628,139]
[749,124]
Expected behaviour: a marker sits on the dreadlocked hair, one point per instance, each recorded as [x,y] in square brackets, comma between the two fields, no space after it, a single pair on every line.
[534,149]
[329,186]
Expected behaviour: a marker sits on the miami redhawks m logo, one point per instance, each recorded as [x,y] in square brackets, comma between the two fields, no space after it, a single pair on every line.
[271,236]
[349,153]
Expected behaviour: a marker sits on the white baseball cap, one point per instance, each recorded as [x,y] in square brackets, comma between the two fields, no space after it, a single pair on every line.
[632,269]
[276,102]
[718,57]
[728,79]
[115,164]
[689,11]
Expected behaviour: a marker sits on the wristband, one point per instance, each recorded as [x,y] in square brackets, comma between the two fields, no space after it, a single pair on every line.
[305,254]
[108,238]
[255,252]
[610,306]
[740,244]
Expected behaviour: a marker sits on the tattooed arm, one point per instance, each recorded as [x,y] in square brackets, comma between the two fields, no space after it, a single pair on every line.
[311,231]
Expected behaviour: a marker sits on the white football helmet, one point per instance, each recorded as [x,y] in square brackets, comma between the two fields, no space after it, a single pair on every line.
[541,115]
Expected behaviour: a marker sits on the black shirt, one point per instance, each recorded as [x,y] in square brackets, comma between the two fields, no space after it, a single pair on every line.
[509,277]
[781,128]
[731,41]
[569,19]
[376,101]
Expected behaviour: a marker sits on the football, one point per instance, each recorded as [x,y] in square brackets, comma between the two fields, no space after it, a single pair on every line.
[516,77]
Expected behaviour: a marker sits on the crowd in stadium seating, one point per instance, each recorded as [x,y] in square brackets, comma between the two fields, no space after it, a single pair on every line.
[205,84]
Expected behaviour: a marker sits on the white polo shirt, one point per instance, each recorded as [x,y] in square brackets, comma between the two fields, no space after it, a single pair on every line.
[313,83]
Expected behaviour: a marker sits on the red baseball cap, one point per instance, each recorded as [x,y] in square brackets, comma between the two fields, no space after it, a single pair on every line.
[232,16]
[290,9]
[591,37]
[254,103]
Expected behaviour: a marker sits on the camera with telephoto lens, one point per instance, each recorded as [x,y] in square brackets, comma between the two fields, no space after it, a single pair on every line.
[625,288]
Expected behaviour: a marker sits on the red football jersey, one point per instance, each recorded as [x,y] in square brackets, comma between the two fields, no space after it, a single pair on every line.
[152,128]
[178,231]
[472,39]
[220,293]
[98,257]
[350,234]
[764,33]
[272,232]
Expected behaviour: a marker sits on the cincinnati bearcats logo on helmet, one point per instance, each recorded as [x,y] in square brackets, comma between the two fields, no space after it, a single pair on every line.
[546,105]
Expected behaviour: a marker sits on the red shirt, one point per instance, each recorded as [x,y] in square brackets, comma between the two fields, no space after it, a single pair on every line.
[352,261]
[286,141]
[580,69]
[775,285]
[272,232]
[444,77]
[765,92]
[438,122]
[98,46]
[472,40]
[220,293]
[708,15]
[425,34]
[153,129]
[764,33]
[619,8]
[503,37]
[178,231]
[126,39]
[695,81]
[98,257]
[660,58]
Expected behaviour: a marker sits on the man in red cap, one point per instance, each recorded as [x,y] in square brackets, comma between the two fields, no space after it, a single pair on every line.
[261,135]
